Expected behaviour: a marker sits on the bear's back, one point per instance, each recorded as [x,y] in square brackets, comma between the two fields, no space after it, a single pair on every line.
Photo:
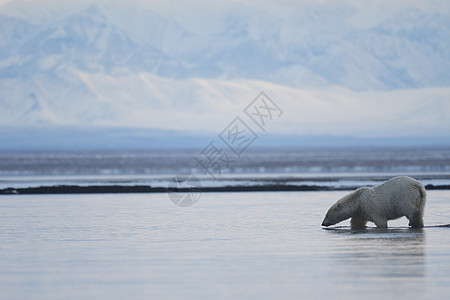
[399,190]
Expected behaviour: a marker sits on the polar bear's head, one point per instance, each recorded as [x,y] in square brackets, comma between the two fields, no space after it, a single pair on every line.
[342,209]
[335,214]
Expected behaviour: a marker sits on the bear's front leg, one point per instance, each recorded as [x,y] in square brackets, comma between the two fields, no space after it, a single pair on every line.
[415,219]
[358,222]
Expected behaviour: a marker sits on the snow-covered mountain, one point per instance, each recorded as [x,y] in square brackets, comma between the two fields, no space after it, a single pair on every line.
[98,63]
[408,50]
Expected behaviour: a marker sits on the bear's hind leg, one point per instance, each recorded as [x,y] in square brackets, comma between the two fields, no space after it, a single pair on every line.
[415,219]
[358,223]
[381,223]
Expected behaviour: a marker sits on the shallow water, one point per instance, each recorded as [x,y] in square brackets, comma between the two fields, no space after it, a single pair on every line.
[228,245]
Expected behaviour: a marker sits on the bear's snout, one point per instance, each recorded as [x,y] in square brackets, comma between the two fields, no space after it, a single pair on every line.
[326,222]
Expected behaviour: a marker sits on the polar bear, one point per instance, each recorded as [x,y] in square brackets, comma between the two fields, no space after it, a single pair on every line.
[395,198]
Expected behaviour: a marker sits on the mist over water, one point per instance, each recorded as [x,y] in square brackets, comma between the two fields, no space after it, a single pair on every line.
[334,168]
[263,161]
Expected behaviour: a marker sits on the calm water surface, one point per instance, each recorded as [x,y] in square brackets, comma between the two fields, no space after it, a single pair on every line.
[227,246]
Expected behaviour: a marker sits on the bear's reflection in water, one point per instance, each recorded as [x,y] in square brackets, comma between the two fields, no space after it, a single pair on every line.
[374,253]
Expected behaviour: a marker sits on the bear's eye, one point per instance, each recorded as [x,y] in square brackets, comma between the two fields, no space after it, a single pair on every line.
[339,205]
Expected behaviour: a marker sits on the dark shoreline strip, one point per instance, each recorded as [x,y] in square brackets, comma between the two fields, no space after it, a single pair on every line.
[115,189]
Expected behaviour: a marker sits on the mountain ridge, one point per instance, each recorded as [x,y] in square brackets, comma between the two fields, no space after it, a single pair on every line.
[94,65]
[247,42]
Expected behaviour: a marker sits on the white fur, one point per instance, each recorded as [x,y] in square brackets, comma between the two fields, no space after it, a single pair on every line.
[397,197]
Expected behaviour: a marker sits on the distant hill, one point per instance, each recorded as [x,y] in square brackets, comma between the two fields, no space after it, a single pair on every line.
[106,64]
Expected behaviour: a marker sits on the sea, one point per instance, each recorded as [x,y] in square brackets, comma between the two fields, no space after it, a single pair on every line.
[227,245]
